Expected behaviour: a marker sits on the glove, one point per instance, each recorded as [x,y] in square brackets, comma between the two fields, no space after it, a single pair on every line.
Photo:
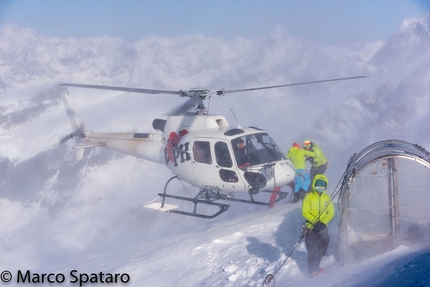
[319,227]
[310,159]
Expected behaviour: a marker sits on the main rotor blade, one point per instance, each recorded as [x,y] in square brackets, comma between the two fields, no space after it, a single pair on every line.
[221,92]
[123,89]
[200,93]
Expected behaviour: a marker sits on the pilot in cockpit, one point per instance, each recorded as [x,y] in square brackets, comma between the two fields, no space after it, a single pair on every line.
[240,154]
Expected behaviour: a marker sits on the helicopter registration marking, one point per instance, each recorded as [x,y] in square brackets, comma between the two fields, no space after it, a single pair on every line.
[173,151]
[212,187]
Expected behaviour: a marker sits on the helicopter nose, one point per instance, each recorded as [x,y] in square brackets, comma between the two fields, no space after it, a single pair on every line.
[284,172]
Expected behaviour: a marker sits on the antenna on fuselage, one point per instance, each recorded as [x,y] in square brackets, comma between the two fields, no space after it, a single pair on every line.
[237,122]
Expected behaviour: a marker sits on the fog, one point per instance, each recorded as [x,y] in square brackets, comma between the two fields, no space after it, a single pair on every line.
[59,215]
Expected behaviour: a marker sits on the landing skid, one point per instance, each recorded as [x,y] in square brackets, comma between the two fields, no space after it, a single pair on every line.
[281,195]
[206,198]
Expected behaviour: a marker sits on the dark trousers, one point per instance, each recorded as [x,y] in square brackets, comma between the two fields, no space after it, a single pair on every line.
[314,171]
[316,244]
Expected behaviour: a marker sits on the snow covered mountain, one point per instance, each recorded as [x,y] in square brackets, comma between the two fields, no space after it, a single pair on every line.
[27,57]
[57,215]
[408,43]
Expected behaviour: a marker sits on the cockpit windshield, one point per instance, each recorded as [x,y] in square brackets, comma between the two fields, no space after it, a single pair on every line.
[255,149]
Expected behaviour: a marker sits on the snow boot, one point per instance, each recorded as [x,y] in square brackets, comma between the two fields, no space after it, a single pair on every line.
[302,193]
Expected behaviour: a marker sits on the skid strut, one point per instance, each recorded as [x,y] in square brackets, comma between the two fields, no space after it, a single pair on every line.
[203,197]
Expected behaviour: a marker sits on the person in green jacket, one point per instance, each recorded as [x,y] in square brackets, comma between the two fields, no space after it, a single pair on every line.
[319,161]
[297,155]
[318,210]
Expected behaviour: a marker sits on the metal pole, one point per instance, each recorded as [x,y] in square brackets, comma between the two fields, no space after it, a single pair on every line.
[393,193]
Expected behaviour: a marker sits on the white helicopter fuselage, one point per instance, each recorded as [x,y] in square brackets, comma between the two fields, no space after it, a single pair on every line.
[200,150]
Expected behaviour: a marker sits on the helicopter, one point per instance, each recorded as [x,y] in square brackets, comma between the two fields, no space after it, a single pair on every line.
[200,149]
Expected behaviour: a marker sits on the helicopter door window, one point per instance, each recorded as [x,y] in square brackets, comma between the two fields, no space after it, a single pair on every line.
[202,152]
[228,175]
[222,155]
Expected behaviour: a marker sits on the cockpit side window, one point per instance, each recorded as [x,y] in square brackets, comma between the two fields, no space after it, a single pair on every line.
[260,149]
[202,152]
[222,155]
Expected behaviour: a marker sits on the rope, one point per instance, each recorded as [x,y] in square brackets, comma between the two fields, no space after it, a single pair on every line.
[269,277]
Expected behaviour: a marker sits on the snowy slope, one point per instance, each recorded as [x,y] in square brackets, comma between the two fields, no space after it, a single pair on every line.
[57,215]
[238,252]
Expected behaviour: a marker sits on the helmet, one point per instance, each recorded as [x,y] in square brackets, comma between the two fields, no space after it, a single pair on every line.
[239,142]
[307,144]
[320,185]
[297,145]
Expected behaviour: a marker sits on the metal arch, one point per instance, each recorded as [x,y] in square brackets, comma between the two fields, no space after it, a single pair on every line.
[385,149]
[379,150]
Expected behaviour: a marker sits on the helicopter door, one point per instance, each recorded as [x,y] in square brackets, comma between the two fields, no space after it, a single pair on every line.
[224,162]
[203,167]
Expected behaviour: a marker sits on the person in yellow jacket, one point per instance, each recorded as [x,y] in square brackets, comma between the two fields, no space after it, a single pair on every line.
[318,210]
[297,155]
[319,161]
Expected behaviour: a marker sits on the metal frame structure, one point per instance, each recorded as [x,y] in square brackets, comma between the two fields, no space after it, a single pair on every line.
[390,151]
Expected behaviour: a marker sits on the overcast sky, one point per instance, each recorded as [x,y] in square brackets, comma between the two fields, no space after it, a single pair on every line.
[328,21]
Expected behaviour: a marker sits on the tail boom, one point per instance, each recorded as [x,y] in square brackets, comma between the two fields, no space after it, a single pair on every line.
[142,145]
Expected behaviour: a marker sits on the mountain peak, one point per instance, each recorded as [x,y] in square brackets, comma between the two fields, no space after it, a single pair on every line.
[412,35]
[415,26]
[13,31]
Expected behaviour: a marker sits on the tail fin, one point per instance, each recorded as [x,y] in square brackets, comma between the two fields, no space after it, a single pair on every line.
[78,128]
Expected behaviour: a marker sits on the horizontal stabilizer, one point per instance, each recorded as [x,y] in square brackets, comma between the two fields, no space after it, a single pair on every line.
[88,146]
[79,149]
[156,205]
